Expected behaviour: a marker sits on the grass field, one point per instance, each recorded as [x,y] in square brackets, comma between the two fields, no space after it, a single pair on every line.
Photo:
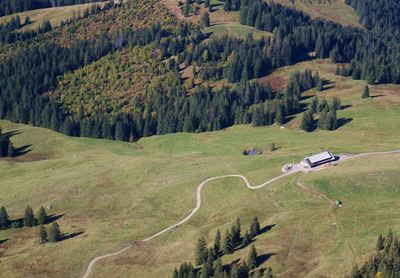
[333,10]
[54,15]
[116,192]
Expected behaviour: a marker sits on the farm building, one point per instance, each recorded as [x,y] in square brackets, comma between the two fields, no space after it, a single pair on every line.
[317,159]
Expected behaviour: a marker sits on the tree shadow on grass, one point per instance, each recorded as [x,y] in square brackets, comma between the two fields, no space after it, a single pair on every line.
[22,150]
[267,228]
[343,121]
[70,235]
[3,240]
[10,134]
[52,218]
[344,107]
[264,257]
[375,96]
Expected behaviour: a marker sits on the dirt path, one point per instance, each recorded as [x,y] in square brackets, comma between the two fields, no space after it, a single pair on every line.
[249,186]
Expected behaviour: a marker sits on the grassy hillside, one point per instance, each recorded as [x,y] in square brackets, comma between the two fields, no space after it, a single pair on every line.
[334,10]
[55,15]
[118,192]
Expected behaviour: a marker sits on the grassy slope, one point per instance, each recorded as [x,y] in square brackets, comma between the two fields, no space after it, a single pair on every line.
[54,15]
[118,192]
[334,10]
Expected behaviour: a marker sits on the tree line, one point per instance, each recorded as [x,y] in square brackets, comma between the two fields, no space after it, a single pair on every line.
[385,262]
[14,6]
[372,54]
[208,260]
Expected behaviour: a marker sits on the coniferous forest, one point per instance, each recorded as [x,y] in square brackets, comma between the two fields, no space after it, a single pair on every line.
[167,105]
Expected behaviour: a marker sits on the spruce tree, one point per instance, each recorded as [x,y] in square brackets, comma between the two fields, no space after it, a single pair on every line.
[208,268]
[10,150]
[246,238]
[365,93]
[175,273]
[255,227]
[217,244]
[227,247]
[307,122]
[268,273]
[380,243]
[4,219]
[29,217]
[200,252]
[252,258]
[42,234]
[54,233]
[320,85]
[219,269]
[236,229]
[205,20]
[42,216]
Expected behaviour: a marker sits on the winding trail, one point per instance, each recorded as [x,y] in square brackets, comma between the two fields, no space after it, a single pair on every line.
[248,185]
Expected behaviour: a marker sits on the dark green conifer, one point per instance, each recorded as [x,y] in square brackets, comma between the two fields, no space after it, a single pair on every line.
[42,234]
[42,216]
[4,219]
[227,246]
[29,217]
[200,251]
[252,258]
[217,244]
[54,233]
[365,93]
[255,227]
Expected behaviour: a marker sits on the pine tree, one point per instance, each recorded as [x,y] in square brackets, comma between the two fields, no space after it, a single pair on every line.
[255,227]
[42,234]
[307,122]
[236,229]
[280,114]
[29,217]
[320,85]
[200,251]
[175,273]
[4,219]
[219,269]
[205,20]
[268,273]
[380,243]
[227,247]
[365,93]
[252,258]
[54,233]
[10,150]
[208,268]
[246,238]
[217,244]
[206,3]
[42,216]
